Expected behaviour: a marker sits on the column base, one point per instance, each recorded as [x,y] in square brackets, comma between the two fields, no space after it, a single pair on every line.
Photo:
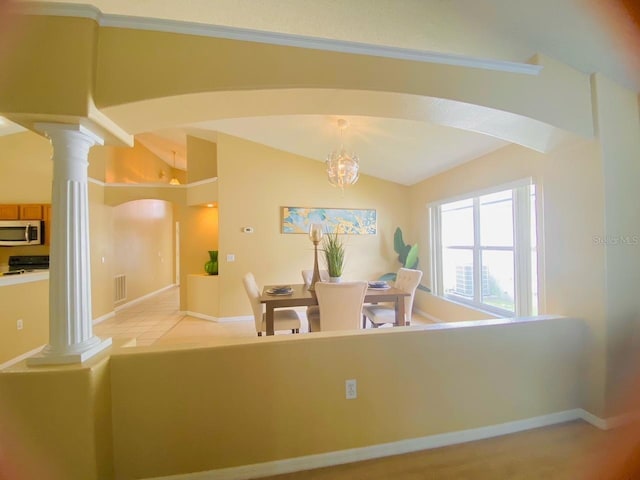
[62,358]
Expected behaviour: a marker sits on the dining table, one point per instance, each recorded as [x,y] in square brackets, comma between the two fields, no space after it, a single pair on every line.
[301,296]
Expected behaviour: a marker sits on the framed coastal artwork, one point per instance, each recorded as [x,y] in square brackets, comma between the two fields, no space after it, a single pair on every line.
[349,221]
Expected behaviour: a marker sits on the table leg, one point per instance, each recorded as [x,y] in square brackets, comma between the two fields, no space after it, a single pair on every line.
[269,319]
[400,311]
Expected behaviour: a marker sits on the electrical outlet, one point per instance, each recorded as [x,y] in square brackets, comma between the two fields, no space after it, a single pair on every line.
[231,257]
[351,389]
[20,324]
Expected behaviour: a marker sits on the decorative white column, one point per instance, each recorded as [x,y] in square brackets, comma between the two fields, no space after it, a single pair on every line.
[71,338]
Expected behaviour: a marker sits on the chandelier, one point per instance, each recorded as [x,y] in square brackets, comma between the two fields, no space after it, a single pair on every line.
[342,167]
[174,180]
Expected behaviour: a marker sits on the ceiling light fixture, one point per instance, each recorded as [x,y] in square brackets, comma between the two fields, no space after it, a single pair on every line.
[342,167]
[174,180]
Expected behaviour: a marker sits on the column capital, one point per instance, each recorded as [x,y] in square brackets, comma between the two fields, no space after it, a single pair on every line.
[50,130]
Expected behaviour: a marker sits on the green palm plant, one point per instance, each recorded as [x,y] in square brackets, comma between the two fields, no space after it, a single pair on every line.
[333,249]
[407,256]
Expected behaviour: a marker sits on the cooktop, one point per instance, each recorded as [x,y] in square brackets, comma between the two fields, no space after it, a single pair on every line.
[28,262]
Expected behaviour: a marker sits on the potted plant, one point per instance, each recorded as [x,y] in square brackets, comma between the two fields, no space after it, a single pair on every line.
[407,256]
[334,255]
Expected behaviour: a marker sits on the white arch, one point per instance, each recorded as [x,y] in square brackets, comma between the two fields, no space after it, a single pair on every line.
[189,109]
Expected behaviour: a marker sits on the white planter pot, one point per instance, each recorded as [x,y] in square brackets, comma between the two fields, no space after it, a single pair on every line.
[335,279]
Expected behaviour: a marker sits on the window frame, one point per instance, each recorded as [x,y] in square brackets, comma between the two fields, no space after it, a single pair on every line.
[522,248]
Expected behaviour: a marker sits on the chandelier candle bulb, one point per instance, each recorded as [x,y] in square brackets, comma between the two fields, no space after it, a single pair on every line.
[315,233]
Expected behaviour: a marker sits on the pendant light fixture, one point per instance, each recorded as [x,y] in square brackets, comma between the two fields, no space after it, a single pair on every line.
[174,180]
[342,167]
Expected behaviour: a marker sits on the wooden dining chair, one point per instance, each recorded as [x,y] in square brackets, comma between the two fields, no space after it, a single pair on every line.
[340,306]
[407,280]
[283,319]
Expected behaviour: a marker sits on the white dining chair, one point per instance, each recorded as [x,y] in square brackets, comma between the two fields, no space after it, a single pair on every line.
[340,306]
[407,280]
[313,312]
[283,319]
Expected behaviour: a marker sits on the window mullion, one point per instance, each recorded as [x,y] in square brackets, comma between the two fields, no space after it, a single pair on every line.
[436,252]
[477,275]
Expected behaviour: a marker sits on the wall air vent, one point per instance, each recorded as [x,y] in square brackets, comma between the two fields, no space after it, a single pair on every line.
[120,287]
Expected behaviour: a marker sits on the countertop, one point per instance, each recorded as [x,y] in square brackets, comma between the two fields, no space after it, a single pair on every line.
[27,277]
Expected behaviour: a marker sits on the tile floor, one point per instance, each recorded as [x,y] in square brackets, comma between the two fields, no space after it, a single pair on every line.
[159,321]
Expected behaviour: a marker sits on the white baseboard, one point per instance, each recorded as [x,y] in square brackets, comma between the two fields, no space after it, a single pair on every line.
[382,450]
[597,422]
[201,316]
[104,317]
[431,318]
[243,318]
[608,423]
[142,298]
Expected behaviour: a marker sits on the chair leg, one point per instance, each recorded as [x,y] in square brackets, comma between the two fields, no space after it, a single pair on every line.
[259,334]
[364,321]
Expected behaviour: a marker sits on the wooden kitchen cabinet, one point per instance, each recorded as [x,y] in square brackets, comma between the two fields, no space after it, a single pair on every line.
[31,212]
[9,212]
[24,211]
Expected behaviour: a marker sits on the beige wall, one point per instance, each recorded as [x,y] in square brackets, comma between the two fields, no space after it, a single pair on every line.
[58,76]
[439,309]
[26,168]
[618,120]
[55,423]
[25,177]
[29,302]
[198,234]
[460,378]
[102,252]
[143,239]
[203,297]
[201,159]
[255,182]
[138,165]
[61,423]
[570,186]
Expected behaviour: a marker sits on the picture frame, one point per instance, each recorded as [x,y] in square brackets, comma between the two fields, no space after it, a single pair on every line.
[347,221]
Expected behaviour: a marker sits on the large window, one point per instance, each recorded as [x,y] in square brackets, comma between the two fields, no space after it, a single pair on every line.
[484,250]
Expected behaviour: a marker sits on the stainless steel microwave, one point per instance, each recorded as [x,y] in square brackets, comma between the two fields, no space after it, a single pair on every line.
[21,232]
